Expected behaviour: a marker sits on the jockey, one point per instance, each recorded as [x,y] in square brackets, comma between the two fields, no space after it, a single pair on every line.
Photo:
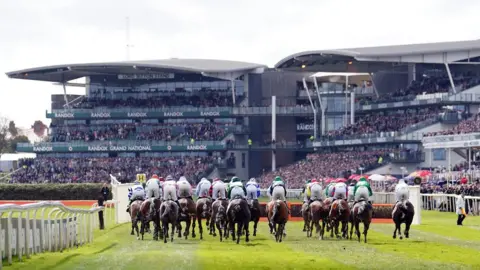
[253,189]
[277,190]
[401,191]
[340,191]
[236,189]
[306,191]
[203,188]
[135,193]
[170,189]
[350,195]
[218,189]
[153,187]
[362,191]
[328,190]
[315,191]
[184,188]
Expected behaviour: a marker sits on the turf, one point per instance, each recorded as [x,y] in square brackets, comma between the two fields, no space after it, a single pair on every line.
[436,244]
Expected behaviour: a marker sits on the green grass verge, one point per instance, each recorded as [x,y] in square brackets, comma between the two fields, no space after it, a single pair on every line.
[436,244]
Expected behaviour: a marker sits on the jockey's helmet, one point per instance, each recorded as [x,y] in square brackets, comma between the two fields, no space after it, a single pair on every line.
[235,179]
[278,178]
[136,182]
[314,181]
[154,176]
[252,180]
[169,178]
[308,181]
[353,183]
[161,179]
[362,179]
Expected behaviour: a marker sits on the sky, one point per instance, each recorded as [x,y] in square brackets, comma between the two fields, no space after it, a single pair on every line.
[40,33]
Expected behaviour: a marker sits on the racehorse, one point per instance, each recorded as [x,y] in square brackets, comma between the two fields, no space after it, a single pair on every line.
[362,212]
[277,213]
[339,213]
[238,212]
[203,210]
[318,211]
[402,213]
[135,216]
[306,217]
[254,214]
[188,212]
[168,215]
[219,218]
[147,215]
[327,203]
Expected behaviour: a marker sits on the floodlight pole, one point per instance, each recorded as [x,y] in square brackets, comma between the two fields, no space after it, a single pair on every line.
[346,100]
[322,108]
[274,132]
[313,108]
[67,105]
[232,82]
[452,84]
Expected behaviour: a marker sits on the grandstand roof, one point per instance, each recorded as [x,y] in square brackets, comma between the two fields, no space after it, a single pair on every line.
[440,52]
[65,73]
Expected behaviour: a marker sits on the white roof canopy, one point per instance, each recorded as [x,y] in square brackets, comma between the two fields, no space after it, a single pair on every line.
[339,74]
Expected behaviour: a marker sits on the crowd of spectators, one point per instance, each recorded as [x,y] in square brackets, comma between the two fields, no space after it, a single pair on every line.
[205,99]
[96,170]
[466,126]
[427,85]
[204,131]
[381,122]
[325,165]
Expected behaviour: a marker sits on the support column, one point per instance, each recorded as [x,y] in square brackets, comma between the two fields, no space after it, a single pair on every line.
[324,122]
[322,108]
[67,105]
[274,131]
[449,164]
[352,107]
[452,84]
[346,101]
[313,108]
[233,90]
[469,152]
[373,85]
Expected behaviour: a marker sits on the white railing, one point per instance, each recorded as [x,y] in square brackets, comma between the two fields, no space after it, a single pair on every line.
[57,227]
[109,212]
[446,203]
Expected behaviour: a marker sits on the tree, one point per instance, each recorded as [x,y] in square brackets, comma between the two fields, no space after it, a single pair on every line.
[3,134]
[12,143]
[12,129]
[39,128]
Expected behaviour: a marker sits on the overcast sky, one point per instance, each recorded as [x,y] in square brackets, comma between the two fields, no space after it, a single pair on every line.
[38,33]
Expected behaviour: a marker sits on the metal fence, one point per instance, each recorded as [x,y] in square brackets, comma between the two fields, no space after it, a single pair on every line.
[43,226]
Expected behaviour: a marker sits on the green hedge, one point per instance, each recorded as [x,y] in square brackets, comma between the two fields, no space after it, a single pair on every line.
[50,191]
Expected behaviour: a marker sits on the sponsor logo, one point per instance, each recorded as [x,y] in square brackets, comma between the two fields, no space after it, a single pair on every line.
[197,147]
[173,114]
[209,113]
[305,126]
[140,148]
[118,148]
[137,114]
[64,115]
[42,149]
[100,115]
[98,148]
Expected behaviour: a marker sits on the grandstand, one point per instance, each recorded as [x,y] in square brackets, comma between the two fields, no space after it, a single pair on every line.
[353,107]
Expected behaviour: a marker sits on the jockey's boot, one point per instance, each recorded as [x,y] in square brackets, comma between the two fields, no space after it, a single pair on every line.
[128,209]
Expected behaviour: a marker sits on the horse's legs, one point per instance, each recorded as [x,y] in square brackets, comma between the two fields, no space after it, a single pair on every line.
[345,229]
[179,229]
[193,227]
[239,231]
[165,230]
[366,226]
[211,226]
[247,230]
[232,230]
[352,225]
[255,223]
[357,229]
[226,228]
[400,231]
[173,231]
[187,228]
[407,228]
[133,227]
[219,227]
[395,230]
[200,228]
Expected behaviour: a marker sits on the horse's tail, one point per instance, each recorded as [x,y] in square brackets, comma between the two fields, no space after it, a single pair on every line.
[205,208]
[167,210]
[361,208]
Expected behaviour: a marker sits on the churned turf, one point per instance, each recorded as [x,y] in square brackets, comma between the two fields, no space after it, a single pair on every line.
[436,244]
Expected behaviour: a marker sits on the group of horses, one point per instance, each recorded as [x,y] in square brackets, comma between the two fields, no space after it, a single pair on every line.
[220,215]
[333,213]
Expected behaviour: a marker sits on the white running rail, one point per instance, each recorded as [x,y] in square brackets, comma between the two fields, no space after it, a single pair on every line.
[55,228]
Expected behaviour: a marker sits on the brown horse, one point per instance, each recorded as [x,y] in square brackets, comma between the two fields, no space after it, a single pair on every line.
[339,213]
[318,211]
[327,203]
[149,213]
[168,215]
[306,217]
[188,212]
[277,213]
[403,213]
[203,210]
[238,213]
[219,219]
[254,214]
[362,212]
[135,216]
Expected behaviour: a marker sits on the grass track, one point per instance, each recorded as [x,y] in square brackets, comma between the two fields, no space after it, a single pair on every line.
[436,244]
